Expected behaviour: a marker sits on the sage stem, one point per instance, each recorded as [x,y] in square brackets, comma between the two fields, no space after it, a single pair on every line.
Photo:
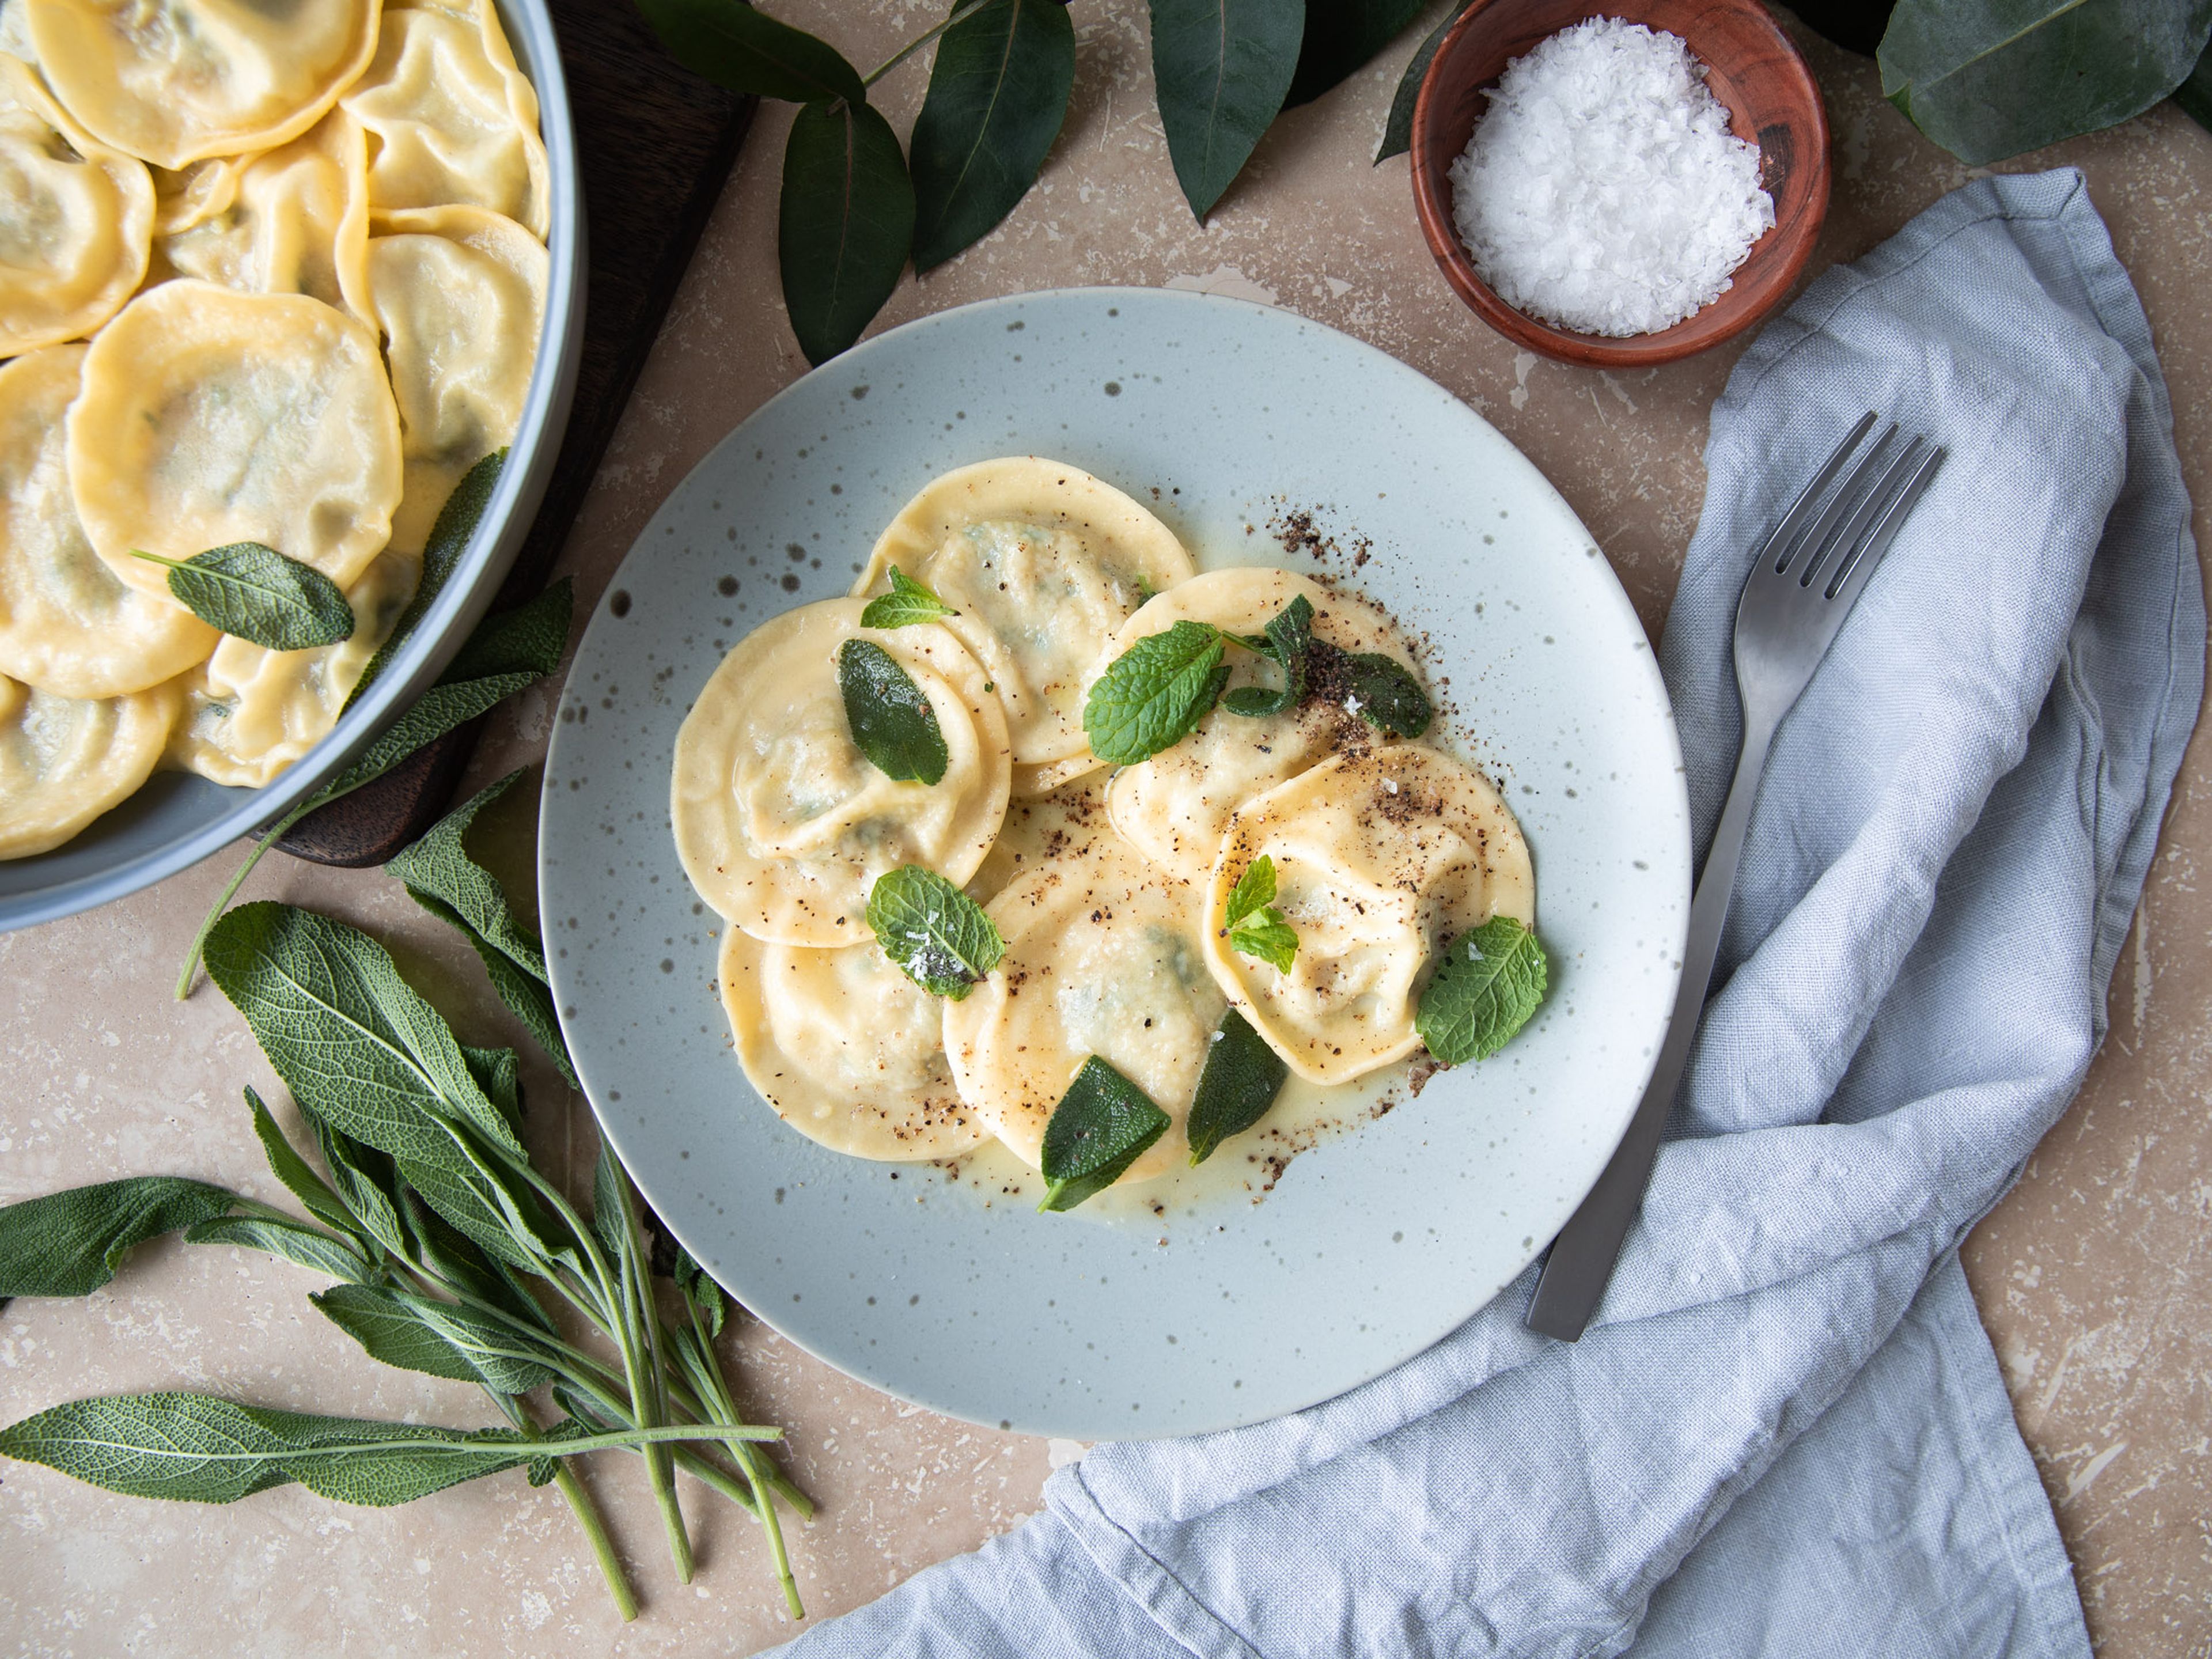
[922,40]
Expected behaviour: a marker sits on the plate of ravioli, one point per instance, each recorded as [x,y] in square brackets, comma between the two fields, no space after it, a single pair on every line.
[1103,888]
[273,283]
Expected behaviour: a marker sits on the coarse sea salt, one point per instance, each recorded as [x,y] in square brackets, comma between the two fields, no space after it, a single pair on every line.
[1602,190]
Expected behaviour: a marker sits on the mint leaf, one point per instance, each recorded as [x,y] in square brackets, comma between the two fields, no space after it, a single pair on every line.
[1288,637]
[1488,984]
[1239,1082]
[1101,1126]
[70,1243]
[907,602]
[1254,927]
[1154,694]
[1383,692]
[892,722]
[255,593]
[937,935]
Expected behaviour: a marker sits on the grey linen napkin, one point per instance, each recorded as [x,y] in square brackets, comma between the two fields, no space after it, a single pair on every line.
[1787,1435]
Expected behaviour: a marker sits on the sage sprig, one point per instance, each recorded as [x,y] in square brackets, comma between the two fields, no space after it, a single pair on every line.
[889,716]
[1238,1083]
[1101,1126]
[255,593]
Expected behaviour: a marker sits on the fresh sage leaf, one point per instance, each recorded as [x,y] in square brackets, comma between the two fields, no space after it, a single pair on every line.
[1488,984]
[1255,928]
[366,1182]
[498,1213]
[1238,1083]
[70,1243]
[938,936]
[747,51]
[844,224]
[450,535]
[1989,79]
[441,1249]
[701,1291]
[300,1178]
[607,1225]
[1101,1126]
[439,1339]
[1383,692]
[1221,68]
[998,94]
[288,1241]
[542,1470]
[891,721]
[1154,694]
[498,1072]
[1288,638]
[527,639]
[1398,130]
[255,593]
[907,602]
[1340,37]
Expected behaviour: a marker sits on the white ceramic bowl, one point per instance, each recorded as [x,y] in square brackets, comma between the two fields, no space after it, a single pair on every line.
[178,819]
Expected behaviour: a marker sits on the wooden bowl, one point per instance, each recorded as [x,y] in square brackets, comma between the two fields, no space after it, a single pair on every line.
[1753,70]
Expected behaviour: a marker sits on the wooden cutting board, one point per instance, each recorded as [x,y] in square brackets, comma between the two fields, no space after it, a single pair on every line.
[654,144]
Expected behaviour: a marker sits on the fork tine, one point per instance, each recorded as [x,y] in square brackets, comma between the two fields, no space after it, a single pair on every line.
[1879,487]
[1857,568]
[1802,507]
[1820,536]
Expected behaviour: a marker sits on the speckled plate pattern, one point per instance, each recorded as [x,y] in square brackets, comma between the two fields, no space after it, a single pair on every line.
[1376,1243]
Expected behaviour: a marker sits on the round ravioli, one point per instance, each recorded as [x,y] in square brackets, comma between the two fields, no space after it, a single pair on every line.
[1102,957]
[296,223]
[67,626]
[1042,830]
[64,761]
[1174,806]
[1045,564]
[782,823]
[848,1050]
[193,195]
[76,219]
[452,118]
[459,296]
[174,81]
[251,712]
[209,417]
[1380,858]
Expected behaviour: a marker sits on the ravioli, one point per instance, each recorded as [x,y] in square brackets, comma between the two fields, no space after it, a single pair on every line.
[1044,564]
[296,221]
[174,81]
[76,218]
[1042,830]
[64,761]
[209,417]
[451,119]
[1102,957]
[67,626]
[782,824]
[251,712]
[1381,857]
[847,1049]
[459,295]
[1174,806]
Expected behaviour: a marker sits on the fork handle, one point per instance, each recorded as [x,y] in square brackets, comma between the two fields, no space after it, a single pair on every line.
[1582,1256]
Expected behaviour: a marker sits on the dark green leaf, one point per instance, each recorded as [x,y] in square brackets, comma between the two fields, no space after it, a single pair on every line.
[998,93]
[441,1339]
[1988,79]
[891,721]
[288,1241]
[438,711]
[2195,94]
[70,1243]
[449,538]
[704,1294]
[441,1249]
[527,639]
[438,865]
[746,51]
[1398,130]
[1101,1126]
[1488,984]
[255,593]
[1341,36]
[497,1212]
[1254,889]
[908,601]
[844,225]
[1288,638]
[298,1176]
[1237,1085]
[498,1072]
[1221,68]
[939,936]
[1383,692]
[1155,693]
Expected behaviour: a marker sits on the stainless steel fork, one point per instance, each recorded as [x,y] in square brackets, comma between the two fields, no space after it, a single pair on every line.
[1804,583]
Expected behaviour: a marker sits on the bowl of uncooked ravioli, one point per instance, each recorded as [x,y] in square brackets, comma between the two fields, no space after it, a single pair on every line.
[289,286]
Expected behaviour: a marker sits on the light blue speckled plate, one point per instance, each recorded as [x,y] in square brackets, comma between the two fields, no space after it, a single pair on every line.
[1374,1245]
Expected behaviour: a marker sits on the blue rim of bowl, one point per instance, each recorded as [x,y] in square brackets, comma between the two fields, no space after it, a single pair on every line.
[468,594]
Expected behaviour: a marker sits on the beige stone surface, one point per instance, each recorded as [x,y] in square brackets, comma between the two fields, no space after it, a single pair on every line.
[2093,1274]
